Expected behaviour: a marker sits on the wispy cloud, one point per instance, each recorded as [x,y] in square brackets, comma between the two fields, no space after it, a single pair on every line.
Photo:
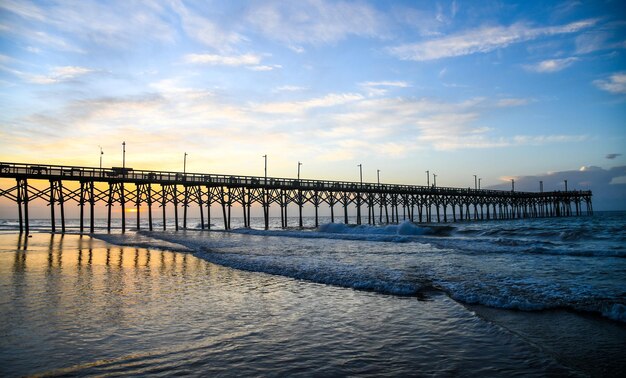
[591,41]
[224,60]
[265,67]
[335,126]
[205,30]
[289,88]
[439,125]
[80,26]
[54,76]
[250,61]
[24,9]
[613,156]
[293,107]
[507,102]
[315,21]
[616,83]
[47,41]
[481,40]
[379,88]
[551,65]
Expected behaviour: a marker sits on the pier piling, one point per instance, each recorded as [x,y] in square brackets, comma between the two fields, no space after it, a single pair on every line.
[142,188]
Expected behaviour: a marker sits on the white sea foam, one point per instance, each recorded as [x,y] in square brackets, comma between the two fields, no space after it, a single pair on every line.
[228,252]
[616,312]
[530,267]
[141,240]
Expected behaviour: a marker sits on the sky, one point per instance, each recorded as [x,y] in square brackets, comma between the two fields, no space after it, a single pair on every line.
[530,90]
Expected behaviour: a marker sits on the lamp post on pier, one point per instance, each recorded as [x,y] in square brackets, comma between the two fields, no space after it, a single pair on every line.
[185,164]
[434,180]
[358,199]
[512,185]
[378,176]
[124,155]
[475,182]
[265,157]
[566,185]
[427,178]
[540,186]
[299,200]
[101,153]
[479,179]
[266,206]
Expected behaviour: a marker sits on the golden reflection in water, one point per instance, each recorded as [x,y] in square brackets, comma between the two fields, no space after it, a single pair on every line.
[67,271]
[74,252]
[22,241]
[60,274]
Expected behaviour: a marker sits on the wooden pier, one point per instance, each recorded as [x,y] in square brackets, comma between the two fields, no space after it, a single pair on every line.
[392,203]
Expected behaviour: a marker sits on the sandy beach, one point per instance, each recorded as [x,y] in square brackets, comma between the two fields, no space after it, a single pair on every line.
[78,305]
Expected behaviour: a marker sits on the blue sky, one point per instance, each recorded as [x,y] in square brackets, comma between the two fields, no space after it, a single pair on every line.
[500,89]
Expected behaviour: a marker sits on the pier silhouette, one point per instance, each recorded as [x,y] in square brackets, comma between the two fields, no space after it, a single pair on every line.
[126,186]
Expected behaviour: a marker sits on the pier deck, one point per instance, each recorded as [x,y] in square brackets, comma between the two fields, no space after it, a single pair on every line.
[142,187]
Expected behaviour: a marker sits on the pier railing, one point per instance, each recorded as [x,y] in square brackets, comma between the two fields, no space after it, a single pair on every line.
[130,175]
[205,189]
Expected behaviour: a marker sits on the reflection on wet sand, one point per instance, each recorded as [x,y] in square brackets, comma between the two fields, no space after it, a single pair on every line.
[63,271]
[87,251]
[86,307]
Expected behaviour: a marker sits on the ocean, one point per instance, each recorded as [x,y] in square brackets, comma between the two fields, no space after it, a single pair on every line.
[530,297]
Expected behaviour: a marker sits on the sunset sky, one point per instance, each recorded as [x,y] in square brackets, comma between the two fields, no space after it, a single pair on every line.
[495,88]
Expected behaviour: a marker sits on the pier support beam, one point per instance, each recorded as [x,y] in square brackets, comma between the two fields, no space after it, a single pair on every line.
[87,195]
[116,194]
[300,207]
[266,209]
[56,195]
[22,205]
[185,205]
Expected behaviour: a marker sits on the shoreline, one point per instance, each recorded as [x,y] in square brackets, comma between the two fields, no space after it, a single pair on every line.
[421,292]
[556,332]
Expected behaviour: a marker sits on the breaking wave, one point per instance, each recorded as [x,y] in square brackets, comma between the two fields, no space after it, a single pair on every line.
[530,267]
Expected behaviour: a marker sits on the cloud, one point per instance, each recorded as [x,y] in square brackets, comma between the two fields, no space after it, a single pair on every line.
[315,21]
[440,125]
[612,156]
[551,65]
[205,30]
[379,88]
[615,84]
[24,9]
[591,41]
[508,102]
[223,60]
[294,107]
[609,192]
[265,67]
[399,84]
[289,88]
[156,125]
[55,75]
[81,26]
[297,49]
[481,40]
[331,126]
[47,41]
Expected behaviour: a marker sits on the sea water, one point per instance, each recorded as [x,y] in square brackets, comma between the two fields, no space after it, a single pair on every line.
[531,297]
